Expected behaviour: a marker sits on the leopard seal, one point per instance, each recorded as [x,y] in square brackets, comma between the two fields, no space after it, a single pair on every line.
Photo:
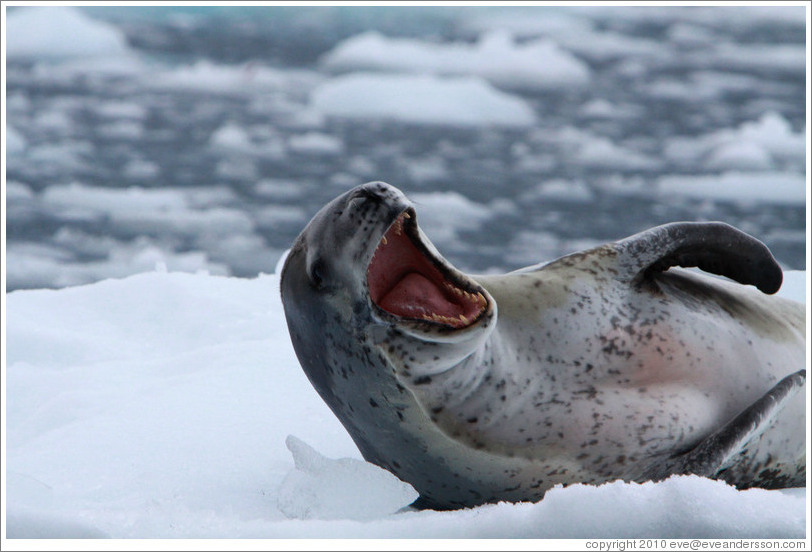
[610,363]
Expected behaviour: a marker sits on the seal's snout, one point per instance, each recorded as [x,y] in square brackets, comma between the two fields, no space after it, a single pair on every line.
[378,193]
[406,281]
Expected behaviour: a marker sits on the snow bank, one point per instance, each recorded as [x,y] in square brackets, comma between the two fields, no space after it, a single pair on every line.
[242,79]
[789,59]
[584,148]
[229,138]
[41,266]
[765,144]
[537,65]
[575,191]
[316,143]
[136,210]
[15,143]
[60,32]
[606,46]
[602,153]
[158,406]
[444,214]
[738,187]
[189,229]
[421,99]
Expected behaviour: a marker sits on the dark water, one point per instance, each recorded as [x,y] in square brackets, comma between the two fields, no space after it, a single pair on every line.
[102,129]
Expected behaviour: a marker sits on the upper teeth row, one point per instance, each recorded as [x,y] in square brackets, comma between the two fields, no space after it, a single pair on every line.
[478,297]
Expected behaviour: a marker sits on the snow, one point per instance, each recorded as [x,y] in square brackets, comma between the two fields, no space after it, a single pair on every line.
[18,191]
[604,46]
[316,143]
[231,137]
[15,143]
[160,406]
[738,187]
[422,99]
[61,32]
[35,265]
[149,224]
[205,76]
[117,109]
[602,153]
[603,109]
[766,143]
[443,214]
[140,169]
[739,155]
[561,190]
[143,211]
[780,59]
[536,65]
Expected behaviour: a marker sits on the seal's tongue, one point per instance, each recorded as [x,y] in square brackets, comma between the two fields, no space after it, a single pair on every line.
[403,281]
[414,295]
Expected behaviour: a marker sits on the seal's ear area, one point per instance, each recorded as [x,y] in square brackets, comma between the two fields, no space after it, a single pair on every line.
[715,452]
[714,247]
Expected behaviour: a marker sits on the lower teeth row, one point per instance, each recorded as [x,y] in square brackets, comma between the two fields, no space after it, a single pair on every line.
[434,317]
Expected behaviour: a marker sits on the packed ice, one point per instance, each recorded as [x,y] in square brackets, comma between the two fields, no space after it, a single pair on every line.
[533,66]
[163,405]
[423,99]
[346,488]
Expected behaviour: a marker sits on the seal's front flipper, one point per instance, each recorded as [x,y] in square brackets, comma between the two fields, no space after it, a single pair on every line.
[713,453]
[714,247]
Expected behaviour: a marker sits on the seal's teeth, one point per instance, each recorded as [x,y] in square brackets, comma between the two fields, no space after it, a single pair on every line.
[406,215]
[383,240]
[451,287]
[434,317]
[481,299]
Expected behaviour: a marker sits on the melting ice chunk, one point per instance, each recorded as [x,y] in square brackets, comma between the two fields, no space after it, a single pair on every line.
[346,488]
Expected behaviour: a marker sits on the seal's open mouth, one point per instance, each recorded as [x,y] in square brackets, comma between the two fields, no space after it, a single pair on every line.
[404,280]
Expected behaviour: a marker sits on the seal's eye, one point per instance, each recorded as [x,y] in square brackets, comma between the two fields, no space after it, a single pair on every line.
[316,273]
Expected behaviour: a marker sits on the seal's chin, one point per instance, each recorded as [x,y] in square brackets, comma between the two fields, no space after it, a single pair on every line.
[408,282]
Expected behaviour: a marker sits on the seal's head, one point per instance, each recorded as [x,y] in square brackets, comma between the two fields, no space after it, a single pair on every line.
[362,265]
[370,302]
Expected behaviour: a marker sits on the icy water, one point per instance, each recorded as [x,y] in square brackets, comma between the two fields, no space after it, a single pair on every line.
[205,139]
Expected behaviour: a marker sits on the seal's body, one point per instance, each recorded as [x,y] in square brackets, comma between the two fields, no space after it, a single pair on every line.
[600,365]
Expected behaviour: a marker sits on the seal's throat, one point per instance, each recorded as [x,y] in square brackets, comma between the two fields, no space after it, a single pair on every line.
[406,281]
